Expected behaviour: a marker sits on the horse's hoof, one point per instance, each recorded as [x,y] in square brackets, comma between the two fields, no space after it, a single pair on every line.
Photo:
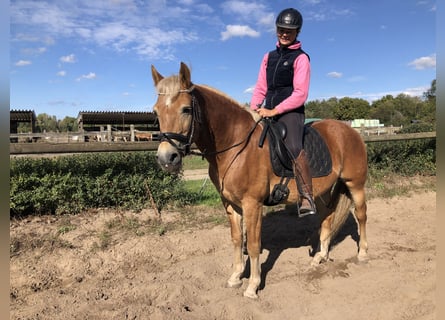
[250,294]
[315,263]
[234,284]
[363,257]
[318,258]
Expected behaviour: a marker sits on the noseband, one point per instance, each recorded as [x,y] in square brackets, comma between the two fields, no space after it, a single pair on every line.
[184,148]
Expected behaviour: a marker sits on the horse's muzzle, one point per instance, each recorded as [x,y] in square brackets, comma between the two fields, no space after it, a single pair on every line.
[169,158]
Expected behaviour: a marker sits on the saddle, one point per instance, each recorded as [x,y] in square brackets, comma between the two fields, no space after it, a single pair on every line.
[317,152]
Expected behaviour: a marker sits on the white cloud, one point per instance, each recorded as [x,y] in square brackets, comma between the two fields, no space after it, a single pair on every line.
[327,11]
[240,8]
[335,74]
[238,31]
[115,32]
[249,90]
[68,59]
[142,27]
[416,92]
[424,62]
[22,63]
[186,2]
[88,76]
[34,51]
[370,97]
[257,13]
[61,73]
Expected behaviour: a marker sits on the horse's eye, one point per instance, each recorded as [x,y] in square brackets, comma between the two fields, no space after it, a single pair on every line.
[187,110]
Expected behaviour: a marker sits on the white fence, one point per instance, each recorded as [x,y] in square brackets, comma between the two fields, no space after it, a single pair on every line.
[108,135]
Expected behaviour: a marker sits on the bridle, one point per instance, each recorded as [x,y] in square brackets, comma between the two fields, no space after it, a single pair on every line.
[186,141]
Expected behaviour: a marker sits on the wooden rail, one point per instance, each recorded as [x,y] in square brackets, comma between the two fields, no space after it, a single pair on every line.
[403,136]
[80,147]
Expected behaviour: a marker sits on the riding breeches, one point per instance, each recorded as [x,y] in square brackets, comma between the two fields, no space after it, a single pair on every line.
[294,122]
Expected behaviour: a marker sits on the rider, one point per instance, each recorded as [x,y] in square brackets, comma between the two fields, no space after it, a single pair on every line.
[283,81]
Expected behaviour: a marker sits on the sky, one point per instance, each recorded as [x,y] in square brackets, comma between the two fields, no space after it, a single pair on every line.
[83,55]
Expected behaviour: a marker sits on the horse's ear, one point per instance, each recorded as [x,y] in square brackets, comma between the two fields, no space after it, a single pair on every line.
[156,75]
[184,76]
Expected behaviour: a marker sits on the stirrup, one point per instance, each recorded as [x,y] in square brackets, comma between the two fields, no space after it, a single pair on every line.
[307,211]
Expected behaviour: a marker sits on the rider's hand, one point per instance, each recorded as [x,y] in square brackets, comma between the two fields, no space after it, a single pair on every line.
[267,113]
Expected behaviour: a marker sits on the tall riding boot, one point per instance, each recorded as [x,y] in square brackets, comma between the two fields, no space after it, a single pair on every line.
[304,183]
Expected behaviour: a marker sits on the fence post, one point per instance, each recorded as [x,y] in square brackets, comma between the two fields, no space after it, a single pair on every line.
[132,132]
[109,139]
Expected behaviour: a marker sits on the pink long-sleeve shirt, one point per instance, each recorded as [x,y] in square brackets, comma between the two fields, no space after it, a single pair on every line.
[302,74]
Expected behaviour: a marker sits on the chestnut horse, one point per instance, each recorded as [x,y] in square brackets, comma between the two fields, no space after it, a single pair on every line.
[227,135]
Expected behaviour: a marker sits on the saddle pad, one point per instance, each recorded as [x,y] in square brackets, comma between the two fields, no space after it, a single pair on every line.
[317,152]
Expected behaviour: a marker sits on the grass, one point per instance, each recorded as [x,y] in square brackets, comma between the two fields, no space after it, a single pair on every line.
[194,162]
[388,185]
[204,191]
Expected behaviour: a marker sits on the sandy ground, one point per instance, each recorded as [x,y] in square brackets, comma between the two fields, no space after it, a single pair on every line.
[121,265]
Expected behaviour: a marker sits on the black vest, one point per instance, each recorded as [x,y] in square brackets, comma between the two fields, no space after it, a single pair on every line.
[280,75]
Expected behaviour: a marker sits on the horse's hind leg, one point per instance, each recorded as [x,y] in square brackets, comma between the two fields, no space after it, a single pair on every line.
[335,212]
[237,240]
[325,239]
[360,208]
[325,231]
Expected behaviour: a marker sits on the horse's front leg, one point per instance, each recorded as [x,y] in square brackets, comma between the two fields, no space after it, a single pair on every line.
[252,213]
[237,240]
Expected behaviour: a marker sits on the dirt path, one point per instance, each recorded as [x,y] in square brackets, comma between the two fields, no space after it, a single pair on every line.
[197,174]
[108,266]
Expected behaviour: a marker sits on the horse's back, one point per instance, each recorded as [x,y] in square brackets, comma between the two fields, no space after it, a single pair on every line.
[347,149]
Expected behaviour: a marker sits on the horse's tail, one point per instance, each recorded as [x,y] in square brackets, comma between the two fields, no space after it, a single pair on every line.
[342,207]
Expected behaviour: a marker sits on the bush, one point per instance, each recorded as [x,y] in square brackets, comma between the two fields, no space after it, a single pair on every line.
[70,184]
[406,157]
[417,127]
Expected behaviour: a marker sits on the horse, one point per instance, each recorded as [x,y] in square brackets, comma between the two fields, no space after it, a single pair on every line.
[227,135]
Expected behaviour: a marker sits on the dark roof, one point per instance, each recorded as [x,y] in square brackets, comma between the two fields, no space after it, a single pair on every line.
[22,116]
[116,117]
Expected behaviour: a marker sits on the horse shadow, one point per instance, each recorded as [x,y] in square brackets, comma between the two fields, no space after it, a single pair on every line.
[283,229]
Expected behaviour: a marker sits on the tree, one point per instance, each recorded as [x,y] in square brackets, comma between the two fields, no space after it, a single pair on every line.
[408,107]
[352,108]
[428,110]
[68,124]
[383,109]
[46,123]
[431,93]
[323,109]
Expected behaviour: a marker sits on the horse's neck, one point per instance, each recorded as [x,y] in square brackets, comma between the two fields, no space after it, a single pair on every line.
[226,123]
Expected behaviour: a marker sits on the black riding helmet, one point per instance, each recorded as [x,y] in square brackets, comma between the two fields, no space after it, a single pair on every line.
[290,19]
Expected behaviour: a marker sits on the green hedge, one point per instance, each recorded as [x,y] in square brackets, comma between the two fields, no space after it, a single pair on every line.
[70,184]
[405,157]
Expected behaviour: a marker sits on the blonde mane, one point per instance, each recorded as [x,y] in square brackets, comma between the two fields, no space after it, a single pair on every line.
[170,88]
[254,114]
